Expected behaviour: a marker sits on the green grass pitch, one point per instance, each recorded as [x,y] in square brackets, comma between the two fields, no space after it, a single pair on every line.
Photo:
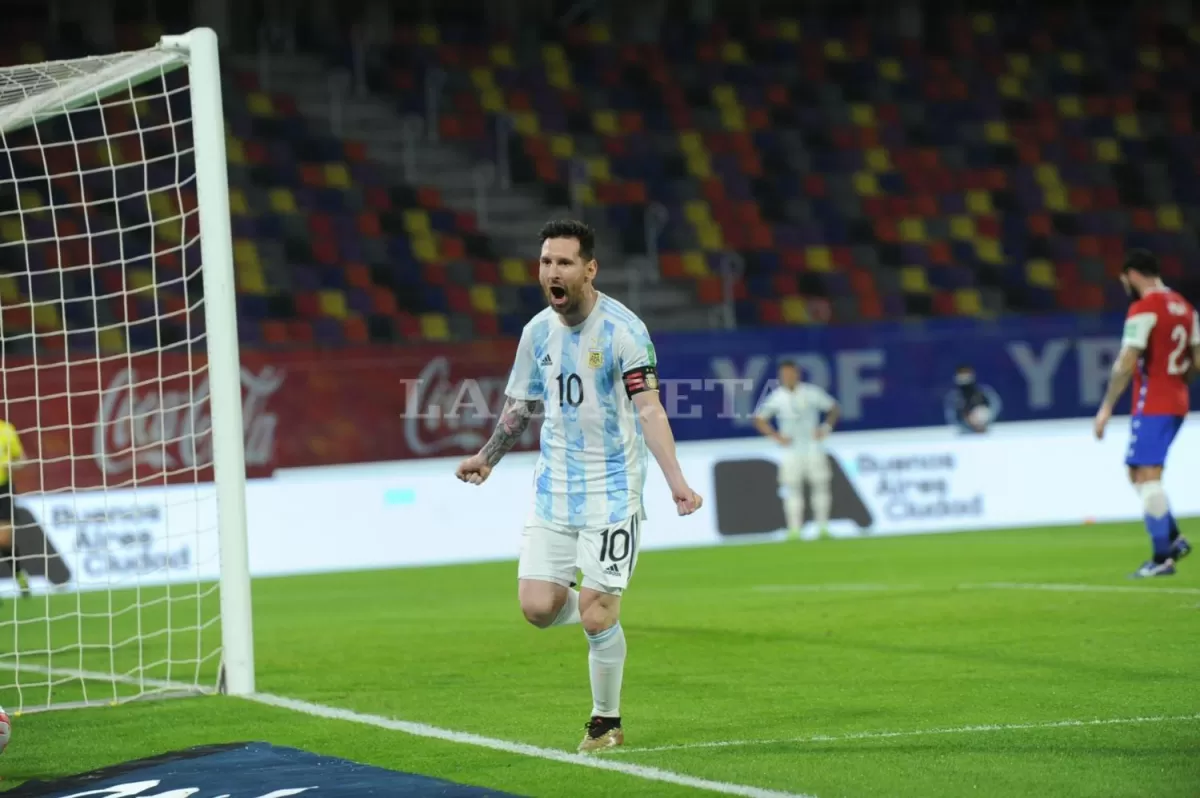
[885,650]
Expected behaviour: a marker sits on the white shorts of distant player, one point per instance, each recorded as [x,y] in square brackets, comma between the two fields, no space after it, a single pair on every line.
[606,555]
[806,467]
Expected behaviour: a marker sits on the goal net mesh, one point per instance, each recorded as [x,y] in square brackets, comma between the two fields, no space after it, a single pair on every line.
[111,591]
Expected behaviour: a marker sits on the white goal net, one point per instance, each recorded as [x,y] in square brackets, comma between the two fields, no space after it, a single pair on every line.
[120,379]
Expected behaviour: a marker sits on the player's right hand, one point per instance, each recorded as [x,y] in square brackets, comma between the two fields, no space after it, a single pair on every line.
[784,440]
[687,501]
[474,470]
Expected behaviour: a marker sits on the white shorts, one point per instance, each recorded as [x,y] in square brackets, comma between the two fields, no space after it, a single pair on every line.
[606,555]
[798,467]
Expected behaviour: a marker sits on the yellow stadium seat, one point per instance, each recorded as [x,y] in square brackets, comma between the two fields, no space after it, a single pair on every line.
[862,114]
[11,228]
[724,95]
[695,264]
[983,22]
[586,194]
[989,251]
[819,258]
[483,298]
[111,340]
[492,99]
[1128,126]
[605,122]
[250,279]
[282,200]
[435,327]
[337,175]
[46,317]
[699,165]
[332,303]
[697,211]
[1150,58]
[238,205]
[691,143]
[733,53]
[835,50]
[502,55]
[1056,199]
[245,254]
[913,280]
[598,168]
[31,201]
[526,123]
[562,146]
[878,159]
[1169,217]
[1040,273]
[866,184]
[428,35]
[554,54]
[912,230]
[1010,86]
[259,104]
[962,227]
[559,76]
[968,302]
[980,203]
[795,310]
[1018,64]
[139,280]
[1070,107]
[10,292]
[416,221]
[788,30]
[425,247]
[891,69]
[514,271]
[482,78]
[1072,62]
[234,151]
[996,131]
[733,119]
[709,236]
[1108,151]
[599,33]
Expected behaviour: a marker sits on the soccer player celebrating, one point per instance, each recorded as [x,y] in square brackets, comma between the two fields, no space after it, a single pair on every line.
[1160,351]
[587,362]
[797,407]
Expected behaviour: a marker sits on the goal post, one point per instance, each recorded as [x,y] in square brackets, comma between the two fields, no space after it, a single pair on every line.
[122,377]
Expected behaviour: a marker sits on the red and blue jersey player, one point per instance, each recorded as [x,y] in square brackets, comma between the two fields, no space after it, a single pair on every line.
[1160,352]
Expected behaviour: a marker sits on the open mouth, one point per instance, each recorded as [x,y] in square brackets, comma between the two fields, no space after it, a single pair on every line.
[558,294]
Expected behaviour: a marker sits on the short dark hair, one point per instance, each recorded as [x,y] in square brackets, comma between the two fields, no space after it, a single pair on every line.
[1142,262]
[964,367]
[572,228]
[788,364]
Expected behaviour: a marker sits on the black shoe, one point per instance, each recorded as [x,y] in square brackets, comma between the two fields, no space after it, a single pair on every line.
[602,733]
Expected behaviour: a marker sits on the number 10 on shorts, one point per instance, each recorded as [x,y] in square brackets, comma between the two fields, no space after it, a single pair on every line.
[616,555]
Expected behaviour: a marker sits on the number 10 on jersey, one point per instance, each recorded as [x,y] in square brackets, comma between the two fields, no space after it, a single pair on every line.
[570,390]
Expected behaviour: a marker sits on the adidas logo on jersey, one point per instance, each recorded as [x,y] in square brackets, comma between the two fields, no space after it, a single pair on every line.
[613,570]
[546,361]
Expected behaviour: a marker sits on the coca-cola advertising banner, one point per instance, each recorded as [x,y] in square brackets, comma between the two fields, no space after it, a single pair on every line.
[145,419]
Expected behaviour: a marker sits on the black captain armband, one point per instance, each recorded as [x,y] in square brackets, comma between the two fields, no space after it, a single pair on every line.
[643,378]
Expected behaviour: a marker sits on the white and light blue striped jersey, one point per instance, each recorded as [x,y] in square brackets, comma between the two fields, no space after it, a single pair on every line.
[592,467]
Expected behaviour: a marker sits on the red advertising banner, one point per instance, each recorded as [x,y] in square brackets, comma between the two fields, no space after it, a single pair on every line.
[145,419]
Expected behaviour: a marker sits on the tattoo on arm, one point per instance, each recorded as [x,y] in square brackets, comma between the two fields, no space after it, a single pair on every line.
[514,420]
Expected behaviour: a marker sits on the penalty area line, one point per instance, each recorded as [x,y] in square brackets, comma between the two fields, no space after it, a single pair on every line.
[887,735]
[521,749]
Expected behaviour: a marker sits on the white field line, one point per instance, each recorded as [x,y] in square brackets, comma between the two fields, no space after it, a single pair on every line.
[422,730]
[1050,587]
[885,735]
[521,749]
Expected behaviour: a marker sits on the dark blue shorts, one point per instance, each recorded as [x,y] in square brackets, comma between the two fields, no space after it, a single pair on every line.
[1150,439]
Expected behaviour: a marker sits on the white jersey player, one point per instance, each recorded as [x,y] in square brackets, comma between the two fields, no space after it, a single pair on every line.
[796,408]
[586,362]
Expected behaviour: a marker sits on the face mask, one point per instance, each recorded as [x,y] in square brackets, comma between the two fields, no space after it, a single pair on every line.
[964,379]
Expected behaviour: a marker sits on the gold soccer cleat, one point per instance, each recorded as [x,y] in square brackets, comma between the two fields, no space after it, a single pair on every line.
[602,733]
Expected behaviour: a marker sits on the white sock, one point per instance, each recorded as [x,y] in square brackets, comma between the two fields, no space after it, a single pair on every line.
[822,499]
[606,661]
[569,613]
[793,507]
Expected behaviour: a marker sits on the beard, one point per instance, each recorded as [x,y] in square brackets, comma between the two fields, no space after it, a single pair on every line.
[563,299]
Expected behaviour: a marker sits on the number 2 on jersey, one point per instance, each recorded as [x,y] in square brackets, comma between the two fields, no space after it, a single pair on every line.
[570,390]
[1177,363]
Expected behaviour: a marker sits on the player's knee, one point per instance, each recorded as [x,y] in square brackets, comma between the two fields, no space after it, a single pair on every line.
[597,617]
[541,607]
[1154,498]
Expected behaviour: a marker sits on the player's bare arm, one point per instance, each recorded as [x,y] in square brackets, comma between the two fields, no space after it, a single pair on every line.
[656,428]
[767,429]
[1122,373]
[514,420]
[832,417]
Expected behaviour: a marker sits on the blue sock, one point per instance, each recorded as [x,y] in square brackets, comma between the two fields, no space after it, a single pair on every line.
[1174,527]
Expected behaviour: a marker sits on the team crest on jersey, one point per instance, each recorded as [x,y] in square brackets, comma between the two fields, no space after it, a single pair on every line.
[595,359]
